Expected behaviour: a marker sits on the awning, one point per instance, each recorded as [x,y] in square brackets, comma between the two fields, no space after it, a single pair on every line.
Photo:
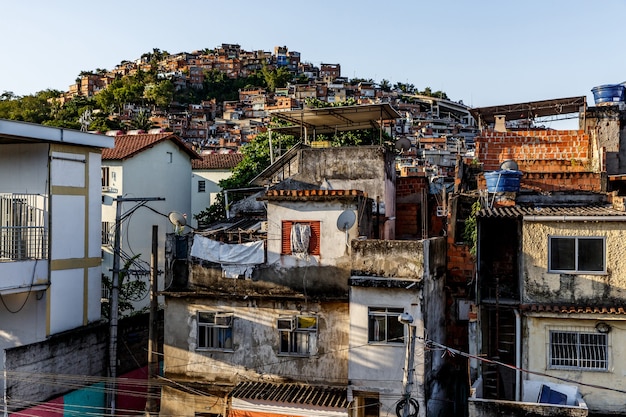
[263,399]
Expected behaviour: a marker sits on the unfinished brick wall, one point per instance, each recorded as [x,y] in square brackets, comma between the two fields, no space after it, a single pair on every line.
[550,160]
[569,147]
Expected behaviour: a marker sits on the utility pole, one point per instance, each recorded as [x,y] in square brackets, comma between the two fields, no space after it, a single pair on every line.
[407,319]
[115,294]
[152,330]
[408,370]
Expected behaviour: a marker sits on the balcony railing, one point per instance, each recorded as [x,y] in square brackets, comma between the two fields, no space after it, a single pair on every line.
[23,228]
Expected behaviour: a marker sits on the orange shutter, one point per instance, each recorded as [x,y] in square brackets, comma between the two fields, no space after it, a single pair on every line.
[314,243]
[286,237]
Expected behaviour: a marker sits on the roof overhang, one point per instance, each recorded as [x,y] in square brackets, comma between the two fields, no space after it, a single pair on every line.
[530,110]
[335,119]
[21,132]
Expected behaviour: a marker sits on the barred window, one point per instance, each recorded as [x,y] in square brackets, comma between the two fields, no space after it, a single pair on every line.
[579,350]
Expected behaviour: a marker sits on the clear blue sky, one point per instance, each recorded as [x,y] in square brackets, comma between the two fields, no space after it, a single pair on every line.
[481,52]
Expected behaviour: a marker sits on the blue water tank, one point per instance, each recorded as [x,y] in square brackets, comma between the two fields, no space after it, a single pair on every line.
[504,180]
[608,94]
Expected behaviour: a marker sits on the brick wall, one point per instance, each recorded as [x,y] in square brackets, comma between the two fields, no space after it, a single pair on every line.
[529,147]
[550,160]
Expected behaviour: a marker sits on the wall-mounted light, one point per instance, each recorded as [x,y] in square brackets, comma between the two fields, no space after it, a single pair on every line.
[603,327]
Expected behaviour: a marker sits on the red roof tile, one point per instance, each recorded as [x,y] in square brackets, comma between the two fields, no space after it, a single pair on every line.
[303,195]
[127,146]
[569,309]
[217,161]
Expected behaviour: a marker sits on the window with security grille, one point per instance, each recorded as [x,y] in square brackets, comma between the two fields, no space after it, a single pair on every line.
[581,254]
[215,330]
[298,335]
[579,350]
[201,186]
[383,325]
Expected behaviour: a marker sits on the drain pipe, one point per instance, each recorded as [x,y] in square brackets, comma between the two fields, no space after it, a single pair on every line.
[518,355]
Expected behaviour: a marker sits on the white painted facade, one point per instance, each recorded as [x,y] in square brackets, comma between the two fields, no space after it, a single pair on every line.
[54,175]
[379,367]
[201,200]
[334,243]
[163,171]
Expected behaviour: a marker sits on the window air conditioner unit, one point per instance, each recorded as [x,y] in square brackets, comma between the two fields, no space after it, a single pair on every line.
[287,323]
[223,319]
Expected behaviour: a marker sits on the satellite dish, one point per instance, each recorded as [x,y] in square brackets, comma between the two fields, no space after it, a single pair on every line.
[177,219]
[403,144]
[346,220]
[510,165]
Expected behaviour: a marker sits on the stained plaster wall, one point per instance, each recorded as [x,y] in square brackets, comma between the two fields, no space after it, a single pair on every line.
[255,342]
[535,357]
[407,274]
[540,286]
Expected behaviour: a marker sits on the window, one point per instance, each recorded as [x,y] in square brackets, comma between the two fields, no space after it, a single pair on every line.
[578,350]
[201,186]
[298,335]
[215,330]
[300,237]
[107,231]
[105,176]
[169,157]
[383,325]
[577,254]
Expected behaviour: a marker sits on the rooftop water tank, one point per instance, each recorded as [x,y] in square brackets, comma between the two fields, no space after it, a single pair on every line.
[608,94]
[504,180]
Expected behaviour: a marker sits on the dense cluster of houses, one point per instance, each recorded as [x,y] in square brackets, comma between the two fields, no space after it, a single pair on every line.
[439,276]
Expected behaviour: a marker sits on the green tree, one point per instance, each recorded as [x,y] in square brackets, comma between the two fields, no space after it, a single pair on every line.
[385,85]
[131,288]
[160,94]
[275,78]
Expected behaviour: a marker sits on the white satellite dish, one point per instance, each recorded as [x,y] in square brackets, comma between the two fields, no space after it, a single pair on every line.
[177,219]
[346,220]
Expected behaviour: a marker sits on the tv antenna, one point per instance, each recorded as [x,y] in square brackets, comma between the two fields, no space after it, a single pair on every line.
[345,221]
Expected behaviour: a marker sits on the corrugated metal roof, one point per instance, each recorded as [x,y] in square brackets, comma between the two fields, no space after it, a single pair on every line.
[246,225]
[520,211]
[321,396]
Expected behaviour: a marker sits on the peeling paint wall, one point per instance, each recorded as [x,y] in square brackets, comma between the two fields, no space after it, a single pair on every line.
[535,358]
[255,343]
[541,286]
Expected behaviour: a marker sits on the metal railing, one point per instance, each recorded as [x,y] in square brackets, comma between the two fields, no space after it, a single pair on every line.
[23,228]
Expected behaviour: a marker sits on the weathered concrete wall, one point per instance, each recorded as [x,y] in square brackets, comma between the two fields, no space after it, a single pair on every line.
[77,352]
[316,282]
[367,168]
[494,408]
[606,126]
[543,287]
[388,258]
[255,342]
[535,357]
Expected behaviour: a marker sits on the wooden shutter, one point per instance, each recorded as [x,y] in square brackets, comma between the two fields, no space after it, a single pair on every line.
[314,243]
